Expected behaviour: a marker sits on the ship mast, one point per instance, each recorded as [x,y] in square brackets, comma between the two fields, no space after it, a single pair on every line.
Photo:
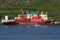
[46,15]
[22,12]
[38,13]
[42,13]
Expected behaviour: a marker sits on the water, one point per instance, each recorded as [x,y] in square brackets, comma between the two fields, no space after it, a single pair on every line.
[30,33]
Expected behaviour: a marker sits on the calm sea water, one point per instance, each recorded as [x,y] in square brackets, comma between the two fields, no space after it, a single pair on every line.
[29,33]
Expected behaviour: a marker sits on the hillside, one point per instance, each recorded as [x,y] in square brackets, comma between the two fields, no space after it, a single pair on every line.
[13,7]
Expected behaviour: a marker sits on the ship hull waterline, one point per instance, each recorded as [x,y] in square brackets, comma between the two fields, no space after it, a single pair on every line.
[28,23]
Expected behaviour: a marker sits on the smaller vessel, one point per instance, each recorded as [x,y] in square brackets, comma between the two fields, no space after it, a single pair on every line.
[6,21]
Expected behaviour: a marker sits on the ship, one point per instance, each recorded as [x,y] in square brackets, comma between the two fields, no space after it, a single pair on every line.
[28,19]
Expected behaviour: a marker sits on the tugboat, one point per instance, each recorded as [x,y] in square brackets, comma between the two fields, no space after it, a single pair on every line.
[28,19]
[8,22]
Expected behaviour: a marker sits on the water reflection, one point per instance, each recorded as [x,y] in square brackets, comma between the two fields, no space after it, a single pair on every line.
[29,32]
